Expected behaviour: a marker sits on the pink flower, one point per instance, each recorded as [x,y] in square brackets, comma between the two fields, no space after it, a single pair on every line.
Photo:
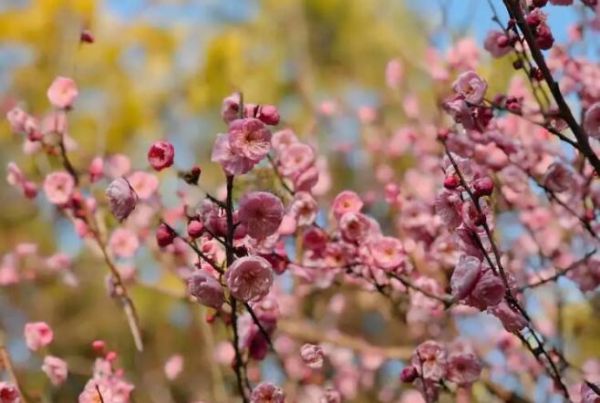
[267,393]
[38,335]
[471,87]
[591,121]
[268,114]
[465,276]
[296,159]
[282,139]
[497,43]
[249,278]
[394,73]
[559,178]
[448,207]
[59,187]
[249,138]
[488,291]
[9,393]
[143,183]
[96,169]
[261,213]
[356,227]
[387,252]
[429,359]
[17,118]
[511,320]
[463,368]
[206,289]
[56,369]
[230,108]
[346,202]
[312,355]
[232,163]
[589,395]
[121,198]
[117,165]
[108,382]
[123,242]
[62,92]
[304,209]
[173,366]
[161,155]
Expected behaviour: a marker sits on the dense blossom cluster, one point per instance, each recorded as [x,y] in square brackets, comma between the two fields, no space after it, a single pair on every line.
[428,239]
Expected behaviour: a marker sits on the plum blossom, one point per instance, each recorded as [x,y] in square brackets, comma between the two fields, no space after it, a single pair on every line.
[261,213]
[267,393]
[346,202]
[56,369]
[108,382]
[206,289]
[297,159]
[591,121]
[123,242]
[58,187]
[249,138]
[38,335]
[312,355]
[471,87]
[143,183]
[161,155]
[122,198]
[173,366]
[559,178]
[62,92]
[387,252]
[394,73]
[465,276]
[303,208]
[232,163]
[249,278]
[463,368]
[497,43]
[429,359]
[9,393]
[511,320]
[489,290]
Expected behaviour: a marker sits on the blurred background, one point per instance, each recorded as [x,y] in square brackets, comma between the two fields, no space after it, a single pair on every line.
[160,69]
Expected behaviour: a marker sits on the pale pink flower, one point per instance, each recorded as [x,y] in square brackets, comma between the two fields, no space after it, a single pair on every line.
[232,163]
[122,198]
[387,252]
[366,114]
[346,202]
[261,213]
[117,165]
[123,242]
[38,335]
[429,359]
[56,369]
[465,276]
[173,366]
[559,178]
[108,382]
[230,108]
[59,262]
[161,155]
[9,393]
[249,138]
[312,355]
[144,184]
[463,368]
[464,55]
[249,278]
[282,139]
[62,92]
[497,43]
[206,289]
[17,118]
[267,393]
[59,187]
[304,208]
[306,180]
[471,87]
[296,158]
[591,121]
[394,73]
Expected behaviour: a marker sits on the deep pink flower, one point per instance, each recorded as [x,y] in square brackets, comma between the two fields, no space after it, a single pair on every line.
[346,202]
[268,114]
[559,178]
[471,87]
[232,163]
[164,235]
[261,213]
[249,138]
[591,121]
[489,290]
[56,369]
[9,393]
[312,355]
[206,289]
[511,320]
[38,335]
[59,187]
[497,43]
[387,252]
[62,92]
[122,198]
[123,242]
[356,227]
[465,276]
[463,368]
[96,169]
[429,359]
[249,278]
[161,155]
[267,393]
